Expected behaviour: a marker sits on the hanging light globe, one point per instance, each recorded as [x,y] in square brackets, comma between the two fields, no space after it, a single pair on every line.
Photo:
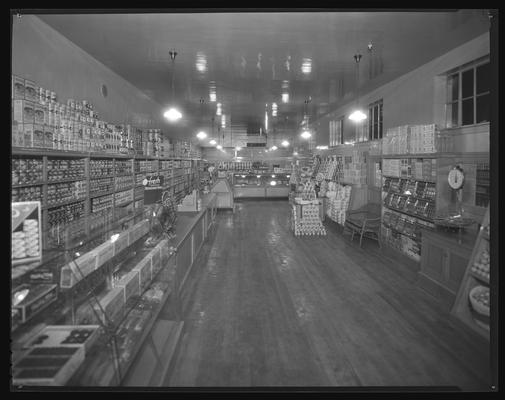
[201,135]
[357,116]
[306,134]
[172,115]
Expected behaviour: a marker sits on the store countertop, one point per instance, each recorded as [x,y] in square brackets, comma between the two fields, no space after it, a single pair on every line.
[186,220]
[468,236]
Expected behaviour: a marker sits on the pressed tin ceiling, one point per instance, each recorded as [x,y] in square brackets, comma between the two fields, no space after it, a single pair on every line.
[248,56]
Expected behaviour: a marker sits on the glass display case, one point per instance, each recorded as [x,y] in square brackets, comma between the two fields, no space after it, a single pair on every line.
[277,185]
[264,185]
[78,314]
[87,313]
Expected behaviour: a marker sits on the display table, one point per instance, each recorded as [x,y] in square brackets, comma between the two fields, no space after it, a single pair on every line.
[149,356]
[443,262]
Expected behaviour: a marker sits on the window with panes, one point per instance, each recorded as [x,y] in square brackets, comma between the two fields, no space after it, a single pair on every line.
[375,120]
[336,132]
[468,94]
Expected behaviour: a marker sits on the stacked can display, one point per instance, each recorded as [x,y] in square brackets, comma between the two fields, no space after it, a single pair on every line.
[310,221]
[40,121]
[25,243]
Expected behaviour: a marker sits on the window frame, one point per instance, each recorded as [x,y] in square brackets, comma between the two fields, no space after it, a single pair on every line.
[376,130]
[336,136]
[449,101]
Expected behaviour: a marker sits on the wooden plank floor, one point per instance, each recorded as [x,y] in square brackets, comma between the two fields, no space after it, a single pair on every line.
[265,308]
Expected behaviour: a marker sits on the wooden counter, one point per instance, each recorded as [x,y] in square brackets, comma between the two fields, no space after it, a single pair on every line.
[443,262]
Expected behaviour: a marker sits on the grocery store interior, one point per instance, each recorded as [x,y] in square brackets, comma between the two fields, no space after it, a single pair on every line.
[234,199]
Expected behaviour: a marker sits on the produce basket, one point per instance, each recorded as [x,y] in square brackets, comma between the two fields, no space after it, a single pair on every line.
[480,312]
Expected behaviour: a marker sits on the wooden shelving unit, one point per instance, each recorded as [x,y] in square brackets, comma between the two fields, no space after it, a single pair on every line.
[184,167]
[462,307]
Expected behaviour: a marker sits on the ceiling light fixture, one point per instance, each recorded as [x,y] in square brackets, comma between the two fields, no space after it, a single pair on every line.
[173,114]
[273,148]
[306,66]
[212,142]
[285,143]
[201,135]
[219,147]
[306,135]
[285,97]
[201,62]
[212,91]
[357,115]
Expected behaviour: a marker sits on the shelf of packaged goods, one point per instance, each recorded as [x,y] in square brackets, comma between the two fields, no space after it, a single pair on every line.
[123,203]
[101,176]
[124,189]
[419,155]
[22,151]
[124,174]
[20,185]
[408,178]
[410,214]
[66,180]
[63,203]
[410,196]
[415,238]
[100,194]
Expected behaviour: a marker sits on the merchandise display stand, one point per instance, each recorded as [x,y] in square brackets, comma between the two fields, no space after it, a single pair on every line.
[473,299]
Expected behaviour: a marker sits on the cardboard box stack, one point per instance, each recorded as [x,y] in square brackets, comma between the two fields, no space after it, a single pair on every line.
[355,171]
[338,201]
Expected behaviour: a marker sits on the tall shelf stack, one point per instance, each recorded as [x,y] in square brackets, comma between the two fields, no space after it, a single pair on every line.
[83,193]
[411,159]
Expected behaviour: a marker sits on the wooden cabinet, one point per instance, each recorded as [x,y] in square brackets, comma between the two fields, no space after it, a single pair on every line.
[443,263]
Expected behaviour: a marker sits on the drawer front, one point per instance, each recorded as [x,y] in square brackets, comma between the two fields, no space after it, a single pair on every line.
[433,259]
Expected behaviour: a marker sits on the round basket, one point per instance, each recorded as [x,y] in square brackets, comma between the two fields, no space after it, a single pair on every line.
[478,307]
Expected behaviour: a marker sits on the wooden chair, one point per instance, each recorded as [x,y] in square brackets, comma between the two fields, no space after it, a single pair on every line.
[365,221]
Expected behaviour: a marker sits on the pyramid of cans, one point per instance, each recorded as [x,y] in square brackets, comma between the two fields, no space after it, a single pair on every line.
[308,192]
[25,243]
[309,223]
